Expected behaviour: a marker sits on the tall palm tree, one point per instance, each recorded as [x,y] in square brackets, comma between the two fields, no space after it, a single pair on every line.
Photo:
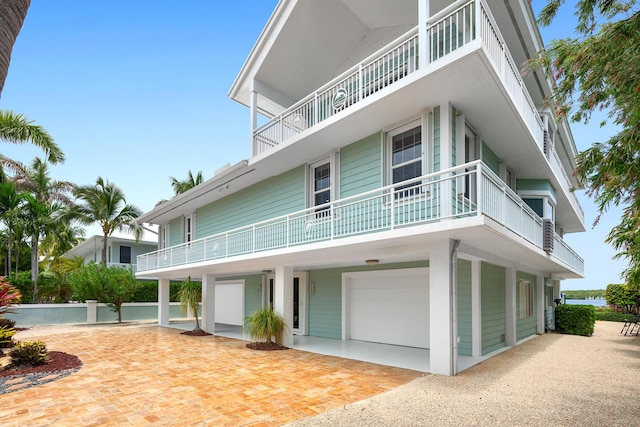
[18,129]
[13,13]
[187,184]
[104,203]
[49,196]
[11,202]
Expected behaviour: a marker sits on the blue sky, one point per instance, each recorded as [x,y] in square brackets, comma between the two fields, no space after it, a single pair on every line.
[136,91]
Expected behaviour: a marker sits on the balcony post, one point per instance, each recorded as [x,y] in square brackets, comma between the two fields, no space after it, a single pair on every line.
[283,300]
[360,83]
[209,303]
[478,18]
[446,158]
[315,108]
[479,195]
[511,301]
[423,35]
[540,304]
[163,302]
[253,121]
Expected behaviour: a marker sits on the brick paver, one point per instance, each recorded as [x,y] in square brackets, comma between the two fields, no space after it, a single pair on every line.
[149,375]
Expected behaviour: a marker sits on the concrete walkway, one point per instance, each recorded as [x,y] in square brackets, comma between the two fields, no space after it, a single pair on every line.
[142,375]
[551,380]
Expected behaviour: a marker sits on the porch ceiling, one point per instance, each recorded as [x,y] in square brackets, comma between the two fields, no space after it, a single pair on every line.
[480,237]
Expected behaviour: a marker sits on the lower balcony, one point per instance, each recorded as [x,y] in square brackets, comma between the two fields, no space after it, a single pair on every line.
[457,202]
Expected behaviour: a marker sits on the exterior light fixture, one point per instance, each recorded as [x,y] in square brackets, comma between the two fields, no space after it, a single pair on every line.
[372,261]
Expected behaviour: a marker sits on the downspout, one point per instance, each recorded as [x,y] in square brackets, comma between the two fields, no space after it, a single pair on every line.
[453,282]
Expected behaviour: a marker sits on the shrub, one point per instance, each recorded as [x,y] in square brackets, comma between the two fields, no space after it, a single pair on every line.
[575,319]
[9,296]
[9,323]
[6,336]
[29,353]
[265,324]
[145,292]
[611,315]
[623,298]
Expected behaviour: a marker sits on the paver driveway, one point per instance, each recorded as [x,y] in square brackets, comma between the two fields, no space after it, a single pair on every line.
[138,375]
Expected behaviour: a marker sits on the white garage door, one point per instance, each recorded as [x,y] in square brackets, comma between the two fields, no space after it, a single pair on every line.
[390,307]
[230,303]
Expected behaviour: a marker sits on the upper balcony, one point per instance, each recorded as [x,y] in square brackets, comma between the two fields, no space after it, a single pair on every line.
[462,58]
[469,203]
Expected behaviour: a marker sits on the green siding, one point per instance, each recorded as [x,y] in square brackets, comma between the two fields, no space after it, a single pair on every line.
[267,199]
[175,231]
[535,185]
[525,327]
[436,139]
[490,159]
[493,307]
[361,166]
[325,304]
[464,308]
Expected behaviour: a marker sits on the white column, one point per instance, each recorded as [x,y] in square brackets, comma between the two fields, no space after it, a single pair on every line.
[283,300]
[253,121]
[476,308]
[511,311]
[441,322]
[540,304]
[92,311]
[423,38]
[445,157]
[209,303]
[163,302]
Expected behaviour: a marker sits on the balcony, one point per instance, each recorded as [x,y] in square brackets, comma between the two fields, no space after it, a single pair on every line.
[456,194]
[458,25]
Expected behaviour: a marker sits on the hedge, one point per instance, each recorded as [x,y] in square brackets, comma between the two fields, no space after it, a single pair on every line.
[575,319]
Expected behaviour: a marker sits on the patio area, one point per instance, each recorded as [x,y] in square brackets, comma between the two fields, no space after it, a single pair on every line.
[140,374]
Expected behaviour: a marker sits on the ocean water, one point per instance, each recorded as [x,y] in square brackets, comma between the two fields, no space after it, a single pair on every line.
[596,302]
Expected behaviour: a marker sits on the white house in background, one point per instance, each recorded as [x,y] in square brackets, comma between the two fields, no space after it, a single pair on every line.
[121,251]
[406,186]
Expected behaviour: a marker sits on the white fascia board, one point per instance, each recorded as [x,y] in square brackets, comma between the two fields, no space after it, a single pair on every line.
[227,175]
[261,48]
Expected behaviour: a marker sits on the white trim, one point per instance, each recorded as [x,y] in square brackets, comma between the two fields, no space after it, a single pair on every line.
[303,298]
[476,308]
[388,148]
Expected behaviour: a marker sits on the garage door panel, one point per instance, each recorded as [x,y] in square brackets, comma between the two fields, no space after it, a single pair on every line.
[392,309]
[229,303]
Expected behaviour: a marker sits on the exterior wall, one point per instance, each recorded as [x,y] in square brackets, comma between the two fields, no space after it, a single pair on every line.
[490,158]
[492,279]
[252,294]
[464,308]
[361,166]
[526,327]
[175,232]
[540,185]
[270,198]
[325,304]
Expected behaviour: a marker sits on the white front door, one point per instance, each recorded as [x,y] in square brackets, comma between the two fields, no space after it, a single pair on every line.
[299,300]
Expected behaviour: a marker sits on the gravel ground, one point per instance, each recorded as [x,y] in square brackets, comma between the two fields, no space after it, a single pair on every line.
[552,380]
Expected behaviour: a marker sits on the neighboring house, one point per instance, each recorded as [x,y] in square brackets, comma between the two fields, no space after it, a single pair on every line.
[406,186]
[121,251]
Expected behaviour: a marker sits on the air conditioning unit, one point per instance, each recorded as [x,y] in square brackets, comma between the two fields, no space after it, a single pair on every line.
[547,235]
[548,144]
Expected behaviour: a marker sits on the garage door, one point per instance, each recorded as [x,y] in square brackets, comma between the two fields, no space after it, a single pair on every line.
[230,303]
[390,307]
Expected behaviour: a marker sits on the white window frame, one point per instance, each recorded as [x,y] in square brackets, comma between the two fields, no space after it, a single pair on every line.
[189,227]
[164,236]
[388,154]
[525,299]
[311,192]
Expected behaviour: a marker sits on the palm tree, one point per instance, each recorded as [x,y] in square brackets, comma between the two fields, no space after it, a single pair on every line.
[42,211]
[187,184]
[104,203]
[11,202]
[13,13]
[189,295]
[61,239]
[18,129]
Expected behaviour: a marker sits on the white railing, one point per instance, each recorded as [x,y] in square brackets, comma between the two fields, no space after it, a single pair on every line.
[451,29]
[460,192]
[497,51]
[390,64]
[558,169]
[122,265]
[563,252]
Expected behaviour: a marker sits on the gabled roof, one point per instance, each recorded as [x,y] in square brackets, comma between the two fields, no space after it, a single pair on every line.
[94,243]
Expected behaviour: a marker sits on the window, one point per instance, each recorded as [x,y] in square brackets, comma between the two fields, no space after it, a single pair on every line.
[321,185]
[125,254]
[189,228]
[164,235]
[406,161]
[525,303]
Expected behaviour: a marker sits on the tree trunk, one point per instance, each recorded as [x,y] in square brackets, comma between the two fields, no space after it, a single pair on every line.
[9,250]
[104,248]
[34,265]
[12,13]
